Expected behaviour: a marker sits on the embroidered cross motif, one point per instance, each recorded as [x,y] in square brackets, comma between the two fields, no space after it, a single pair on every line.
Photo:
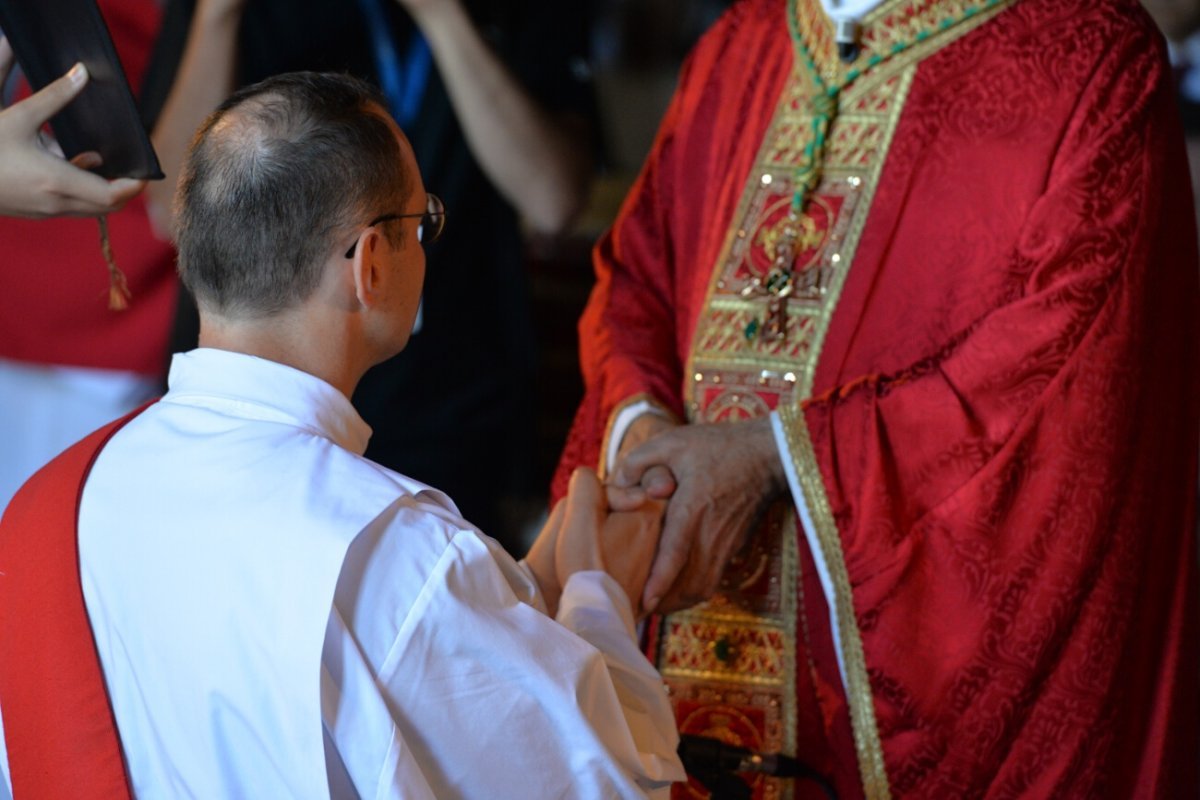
[777,289]
[784,282]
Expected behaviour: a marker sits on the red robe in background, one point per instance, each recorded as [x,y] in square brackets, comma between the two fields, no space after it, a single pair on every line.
[54,300]
[984,583]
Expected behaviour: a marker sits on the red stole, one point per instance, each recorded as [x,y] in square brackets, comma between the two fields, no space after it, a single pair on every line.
[59,728]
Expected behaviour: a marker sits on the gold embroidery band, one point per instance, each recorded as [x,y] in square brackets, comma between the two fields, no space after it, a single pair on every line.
[732,378]
[868,746]
[858,687]
[710,659]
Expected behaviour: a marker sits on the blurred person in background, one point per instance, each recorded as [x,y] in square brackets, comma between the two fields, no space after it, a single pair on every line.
[68,363]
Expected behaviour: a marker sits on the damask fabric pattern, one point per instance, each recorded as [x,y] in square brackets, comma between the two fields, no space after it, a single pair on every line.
[1002,418]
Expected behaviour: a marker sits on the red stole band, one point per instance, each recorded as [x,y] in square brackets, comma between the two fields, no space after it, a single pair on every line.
[59,728]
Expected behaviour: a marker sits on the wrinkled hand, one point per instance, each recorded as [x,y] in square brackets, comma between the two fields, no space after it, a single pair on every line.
[34,180]
[723,476]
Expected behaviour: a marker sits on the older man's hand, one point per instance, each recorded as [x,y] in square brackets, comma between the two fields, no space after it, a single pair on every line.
[723,476]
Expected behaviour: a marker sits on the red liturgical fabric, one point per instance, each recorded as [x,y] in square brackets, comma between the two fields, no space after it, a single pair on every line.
[1004,412]
[59,729]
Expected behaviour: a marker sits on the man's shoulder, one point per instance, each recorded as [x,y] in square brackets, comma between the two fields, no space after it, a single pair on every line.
[1111,46]
[420,494]
[276,475]
[409,508]
[388,497]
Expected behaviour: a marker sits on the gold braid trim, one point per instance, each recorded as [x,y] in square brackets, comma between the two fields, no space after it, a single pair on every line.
[867,743]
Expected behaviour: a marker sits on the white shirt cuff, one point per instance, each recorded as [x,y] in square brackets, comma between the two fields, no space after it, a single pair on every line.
[626,417]
[593,601]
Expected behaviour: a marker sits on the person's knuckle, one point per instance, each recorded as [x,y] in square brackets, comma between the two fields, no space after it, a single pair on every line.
[47,200]
[676,559]
[693,597]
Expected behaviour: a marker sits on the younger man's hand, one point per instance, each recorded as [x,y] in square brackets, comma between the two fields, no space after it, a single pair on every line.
[594,527]
[612,530]
[629,541]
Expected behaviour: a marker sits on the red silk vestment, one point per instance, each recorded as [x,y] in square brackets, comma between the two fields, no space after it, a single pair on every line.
[59,728]
[989,386]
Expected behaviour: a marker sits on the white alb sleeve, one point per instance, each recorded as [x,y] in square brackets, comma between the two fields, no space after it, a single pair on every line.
[620,426]
[492,698]
[595,608]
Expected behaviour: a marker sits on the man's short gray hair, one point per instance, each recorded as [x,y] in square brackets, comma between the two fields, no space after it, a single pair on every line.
[273,180]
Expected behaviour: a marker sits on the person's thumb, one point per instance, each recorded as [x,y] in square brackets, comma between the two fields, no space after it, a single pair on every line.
[586,499]
[41,106]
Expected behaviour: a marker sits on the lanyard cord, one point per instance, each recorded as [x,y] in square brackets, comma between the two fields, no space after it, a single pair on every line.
[403,84]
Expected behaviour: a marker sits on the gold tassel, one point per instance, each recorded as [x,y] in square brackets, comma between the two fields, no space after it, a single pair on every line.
[118,288]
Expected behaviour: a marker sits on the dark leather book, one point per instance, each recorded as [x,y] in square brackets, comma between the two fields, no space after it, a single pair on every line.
[48,37]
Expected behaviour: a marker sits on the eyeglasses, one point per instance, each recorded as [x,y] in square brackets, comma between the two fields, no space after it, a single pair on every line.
[433,222]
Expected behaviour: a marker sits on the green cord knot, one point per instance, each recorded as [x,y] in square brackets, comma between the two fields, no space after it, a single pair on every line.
[825,99]
[825,104]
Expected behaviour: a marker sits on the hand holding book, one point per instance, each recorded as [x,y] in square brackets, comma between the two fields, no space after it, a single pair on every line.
[36,181]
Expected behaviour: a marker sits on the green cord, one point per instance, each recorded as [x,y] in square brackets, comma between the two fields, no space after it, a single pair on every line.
[825,101]
[825,105]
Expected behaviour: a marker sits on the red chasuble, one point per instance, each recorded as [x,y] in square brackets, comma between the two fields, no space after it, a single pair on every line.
[59,728]
[988,379]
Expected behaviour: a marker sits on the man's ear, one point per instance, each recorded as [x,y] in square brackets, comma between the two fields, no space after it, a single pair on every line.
[367,269]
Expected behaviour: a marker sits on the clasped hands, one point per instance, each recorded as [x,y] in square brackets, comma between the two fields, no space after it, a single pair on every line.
[596,527]
[679,504]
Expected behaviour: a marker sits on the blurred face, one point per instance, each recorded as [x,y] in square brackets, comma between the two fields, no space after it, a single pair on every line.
[405,259]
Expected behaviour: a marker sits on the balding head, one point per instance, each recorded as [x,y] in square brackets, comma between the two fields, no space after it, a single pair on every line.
[273,181]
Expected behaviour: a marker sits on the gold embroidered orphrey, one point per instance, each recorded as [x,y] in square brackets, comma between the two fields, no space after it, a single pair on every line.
[730,663]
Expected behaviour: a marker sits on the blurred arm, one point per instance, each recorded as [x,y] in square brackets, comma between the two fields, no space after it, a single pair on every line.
[204,80]
[540,162]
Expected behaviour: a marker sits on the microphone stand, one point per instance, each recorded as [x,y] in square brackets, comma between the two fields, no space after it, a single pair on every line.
[716,766]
